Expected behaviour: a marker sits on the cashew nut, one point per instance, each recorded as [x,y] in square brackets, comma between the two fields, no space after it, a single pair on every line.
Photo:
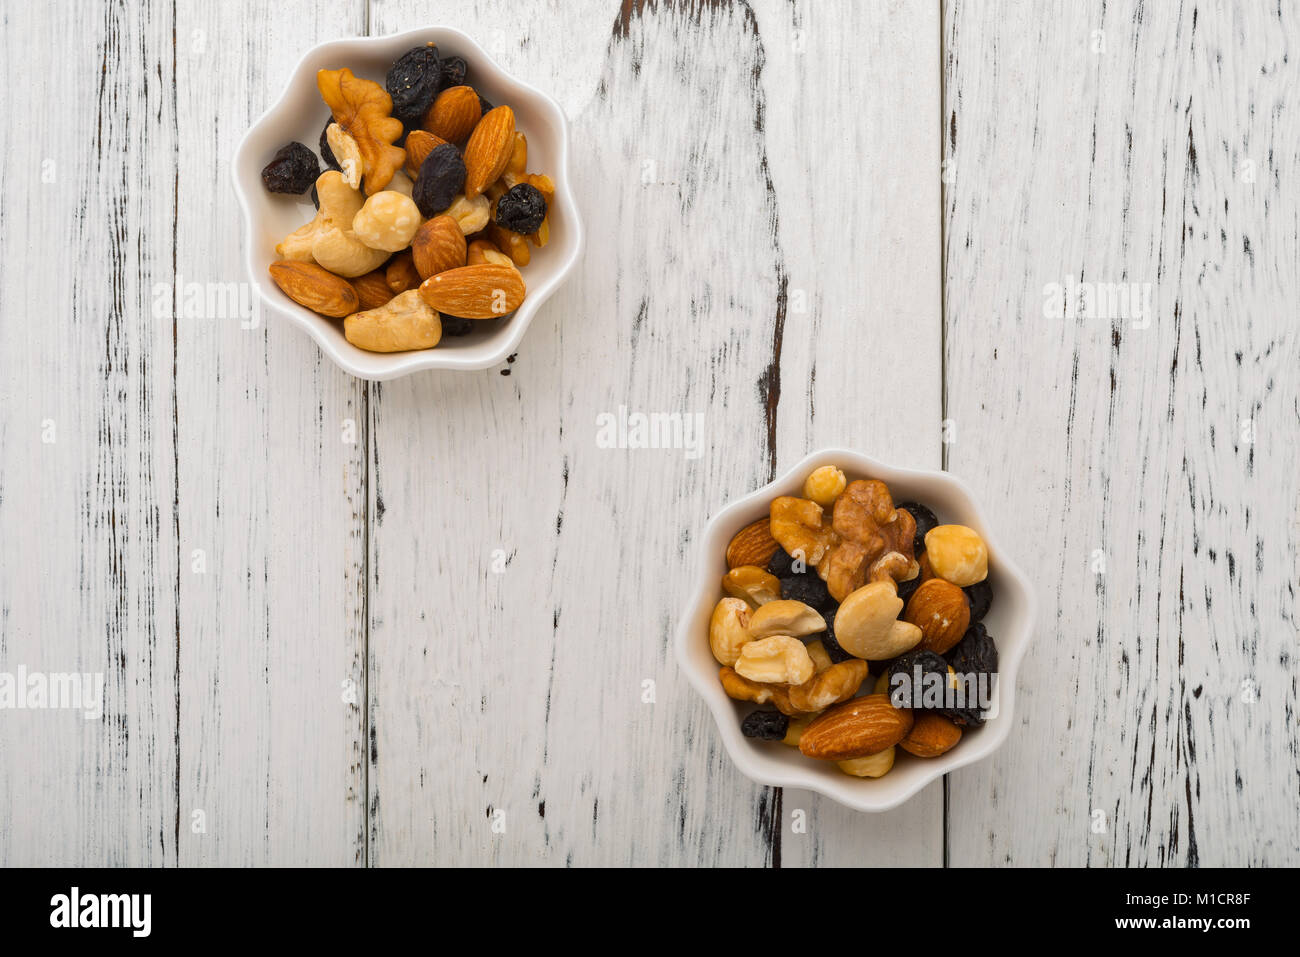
[752,584]
[779,659]
[346,152]
[786,617]
[471,215]
[387,220]
[404,322]
[871,766]
[328,238]
[729,629]
[867,625]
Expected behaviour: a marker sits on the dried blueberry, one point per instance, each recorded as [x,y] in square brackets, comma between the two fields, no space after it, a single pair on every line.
[454,69]
[293,170]
[809,589]
[456,326]
[327,154]
[412,82]
[980,596]
[765,725]
[925,520]
[521,209]
[780,562]
[442,176]
[922,693]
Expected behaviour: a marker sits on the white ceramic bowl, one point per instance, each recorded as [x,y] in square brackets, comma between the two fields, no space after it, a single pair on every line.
[300,115]
[1010,623]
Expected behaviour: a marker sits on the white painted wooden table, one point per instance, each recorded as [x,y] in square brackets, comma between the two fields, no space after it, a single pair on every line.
[830,223]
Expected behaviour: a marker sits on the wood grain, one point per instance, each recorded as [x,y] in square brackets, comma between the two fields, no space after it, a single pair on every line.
[272,489]
[521,693]
[1159,702]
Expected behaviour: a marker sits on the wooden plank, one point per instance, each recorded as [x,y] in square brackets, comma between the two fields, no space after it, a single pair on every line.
[86,479]
[271,491]
[525,581]
[1150,144]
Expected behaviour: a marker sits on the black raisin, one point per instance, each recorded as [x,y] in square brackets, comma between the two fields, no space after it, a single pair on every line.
[327,154]
[521,209]
[829,641]
[925,520]
[977,655]
[315,197]
[914,693]
[809,589]
[779,564]
[483,105]
[981,599]
[441,177]
[766,725]
[905,589]
[293,170]
[456,325]
[412,82]
[454,69]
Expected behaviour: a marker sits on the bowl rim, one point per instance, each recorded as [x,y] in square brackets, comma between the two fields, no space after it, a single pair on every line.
[851,792]
[404,363]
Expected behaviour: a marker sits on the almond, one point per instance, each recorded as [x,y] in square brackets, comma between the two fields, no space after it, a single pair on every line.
[856,728]
[454,114]
[438,245]
[942,612]
[400,273]
[485,291]
[932,734]
[372,289]
[419,144]
[752,545]
[318,289]
[488,150]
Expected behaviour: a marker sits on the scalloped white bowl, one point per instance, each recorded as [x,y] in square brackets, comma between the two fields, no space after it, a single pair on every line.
[1010,622]
[300,114]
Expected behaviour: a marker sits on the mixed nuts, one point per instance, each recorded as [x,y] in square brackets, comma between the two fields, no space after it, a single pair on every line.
[425,211]
[840,584]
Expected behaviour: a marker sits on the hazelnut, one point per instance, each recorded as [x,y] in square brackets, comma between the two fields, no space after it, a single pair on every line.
[957,554]
[824,485]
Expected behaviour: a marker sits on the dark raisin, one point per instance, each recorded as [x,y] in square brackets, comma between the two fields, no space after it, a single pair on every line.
[905,589]
[765,725]
[521,209]
[454,69]
[483,105]
[916,693]
[980,596]
[315,197]
[976,655]
[809,589]
[925,520]
[441,177]
[828,640]
[293,170]
[779,563]
[412,82]
[456,325]
[326,153]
